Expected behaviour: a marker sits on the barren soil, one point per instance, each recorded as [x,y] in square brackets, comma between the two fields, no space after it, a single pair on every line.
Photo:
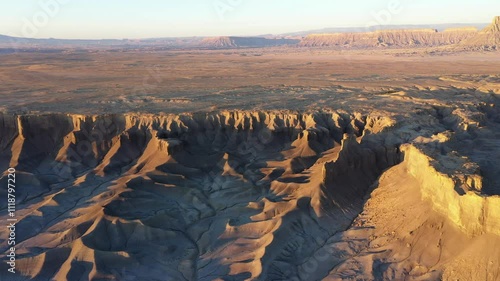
[252,164]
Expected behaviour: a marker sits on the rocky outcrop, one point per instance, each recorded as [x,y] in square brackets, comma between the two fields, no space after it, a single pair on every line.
[389,38]
[76,143]
[494,27]
[473,212]
[488,38]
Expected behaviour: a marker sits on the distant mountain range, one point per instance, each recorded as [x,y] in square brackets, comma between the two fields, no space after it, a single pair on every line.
[98,42]
[479,35]
[438,27]
[255,42]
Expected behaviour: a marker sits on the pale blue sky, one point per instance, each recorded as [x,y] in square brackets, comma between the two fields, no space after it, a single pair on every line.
[164,18]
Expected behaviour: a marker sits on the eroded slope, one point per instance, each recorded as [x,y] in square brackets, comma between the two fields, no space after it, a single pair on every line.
[253,195]
[192,197]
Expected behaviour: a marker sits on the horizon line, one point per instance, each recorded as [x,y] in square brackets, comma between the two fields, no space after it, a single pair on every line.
[258,35]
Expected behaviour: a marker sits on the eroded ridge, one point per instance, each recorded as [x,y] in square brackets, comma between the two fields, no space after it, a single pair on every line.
[235,195]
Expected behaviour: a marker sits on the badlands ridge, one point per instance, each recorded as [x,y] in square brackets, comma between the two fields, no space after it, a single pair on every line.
[468,38]
[244,195]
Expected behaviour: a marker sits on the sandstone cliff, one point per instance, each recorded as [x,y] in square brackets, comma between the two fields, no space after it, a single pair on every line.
[390,38]
[488,38]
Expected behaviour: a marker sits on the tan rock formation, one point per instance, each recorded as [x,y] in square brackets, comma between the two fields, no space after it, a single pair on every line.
[389,38]
[242,194]
[488,38]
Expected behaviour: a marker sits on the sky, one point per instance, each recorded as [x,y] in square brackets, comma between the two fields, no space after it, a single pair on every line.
[95,19]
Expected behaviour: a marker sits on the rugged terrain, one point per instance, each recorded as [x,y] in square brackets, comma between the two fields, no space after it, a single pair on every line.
[391,38]
[460,38]
[275,163]
[380,183]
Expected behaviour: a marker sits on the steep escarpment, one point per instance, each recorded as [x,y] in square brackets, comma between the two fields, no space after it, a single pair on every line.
[390,38]
[494,27]
[472,212]
[434,216]
[204,195]
[403,234]
[456,170]
[488,38]
[250,195]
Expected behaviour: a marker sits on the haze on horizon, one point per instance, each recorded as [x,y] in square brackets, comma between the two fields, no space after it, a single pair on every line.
[115,19]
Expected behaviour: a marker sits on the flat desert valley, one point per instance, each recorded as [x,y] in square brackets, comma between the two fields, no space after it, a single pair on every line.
[243,79]
[273,163]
